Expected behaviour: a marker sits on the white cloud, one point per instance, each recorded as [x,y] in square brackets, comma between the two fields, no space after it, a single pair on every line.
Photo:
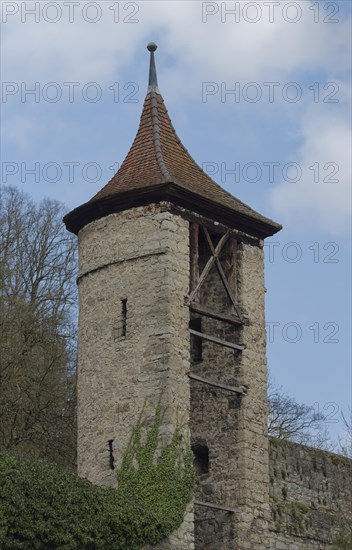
[232,49]
[323,155]
[192,51]
[219,47]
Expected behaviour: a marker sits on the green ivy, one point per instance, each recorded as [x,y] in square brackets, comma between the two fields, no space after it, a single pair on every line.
[43,507]
[163,481]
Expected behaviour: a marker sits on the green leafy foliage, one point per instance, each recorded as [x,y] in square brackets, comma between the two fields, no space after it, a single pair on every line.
[43,507]
[162,481]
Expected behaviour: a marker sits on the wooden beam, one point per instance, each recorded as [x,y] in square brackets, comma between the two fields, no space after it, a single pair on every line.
[226,284]
[209,265]
[214,315]
[216,384]
[201,279]
[216,340]
[209,241]
[228,288]
[221,272]
[232,276]
[194,255]
[215,506]
[214,226]
[233,273]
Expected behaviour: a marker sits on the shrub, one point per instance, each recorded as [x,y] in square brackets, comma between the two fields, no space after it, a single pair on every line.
[43,507]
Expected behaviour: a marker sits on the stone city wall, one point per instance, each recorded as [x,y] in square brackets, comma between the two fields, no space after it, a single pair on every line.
[311,498]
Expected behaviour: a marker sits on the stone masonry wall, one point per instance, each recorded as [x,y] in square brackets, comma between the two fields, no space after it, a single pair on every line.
[142,256]
[311,498]
[252,442]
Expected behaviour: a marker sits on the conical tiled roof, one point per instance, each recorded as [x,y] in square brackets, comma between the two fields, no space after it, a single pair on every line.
[158,167]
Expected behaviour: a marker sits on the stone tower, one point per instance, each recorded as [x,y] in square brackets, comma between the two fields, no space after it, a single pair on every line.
[171,302]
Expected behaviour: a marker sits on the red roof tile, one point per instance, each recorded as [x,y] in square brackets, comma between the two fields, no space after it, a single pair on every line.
[157,156]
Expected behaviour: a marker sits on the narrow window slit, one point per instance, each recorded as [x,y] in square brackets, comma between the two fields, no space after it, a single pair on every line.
[124,317]
[111,455]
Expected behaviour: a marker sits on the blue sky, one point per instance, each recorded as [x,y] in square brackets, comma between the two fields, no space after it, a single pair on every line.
[259,93]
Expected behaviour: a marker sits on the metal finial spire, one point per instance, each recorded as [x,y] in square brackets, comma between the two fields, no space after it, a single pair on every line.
[153,81]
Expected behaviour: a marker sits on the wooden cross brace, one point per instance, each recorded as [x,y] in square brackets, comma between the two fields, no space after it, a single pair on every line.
[214,259]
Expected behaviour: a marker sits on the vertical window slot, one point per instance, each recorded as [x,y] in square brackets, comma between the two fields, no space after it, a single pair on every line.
[124,317]
[111,454]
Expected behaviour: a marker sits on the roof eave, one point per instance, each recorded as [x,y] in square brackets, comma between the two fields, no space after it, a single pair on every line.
[88,212]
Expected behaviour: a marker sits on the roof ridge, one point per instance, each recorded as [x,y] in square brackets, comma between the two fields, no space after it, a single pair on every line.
[156,136]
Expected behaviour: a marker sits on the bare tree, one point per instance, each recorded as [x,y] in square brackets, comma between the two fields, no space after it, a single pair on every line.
[295,421]
[345,442]
[37,336]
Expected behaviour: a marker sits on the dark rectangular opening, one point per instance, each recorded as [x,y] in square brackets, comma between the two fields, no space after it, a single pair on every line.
[201,456]
[124,317]
[111,454]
